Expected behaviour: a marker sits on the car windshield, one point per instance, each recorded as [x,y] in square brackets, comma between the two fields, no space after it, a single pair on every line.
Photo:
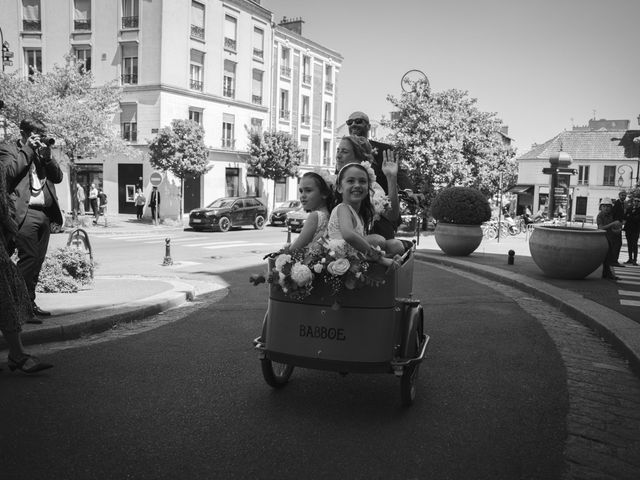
[221,203]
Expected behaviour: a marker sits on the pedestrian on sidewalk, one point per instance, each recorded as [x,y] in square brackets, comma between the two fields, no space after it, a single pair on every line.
[80,197]
[102,205]
[613,231]
[154,203]
[93,199]
[618,209]
[139,201]
[632,230]
[15,304]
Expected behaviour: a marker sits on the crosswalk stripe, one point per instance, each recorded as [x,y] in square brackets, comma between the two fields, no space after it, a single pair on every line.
[628,293]
[630,303]
[628,282]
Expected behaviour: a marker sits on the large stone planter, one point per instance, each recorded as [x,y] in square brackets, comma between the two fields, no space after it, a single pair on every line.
[458,240]
[568,252]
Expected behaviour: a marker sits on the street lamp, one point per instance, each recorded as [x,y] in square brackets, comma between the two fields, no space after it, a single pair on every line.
[621,172]
[7,54]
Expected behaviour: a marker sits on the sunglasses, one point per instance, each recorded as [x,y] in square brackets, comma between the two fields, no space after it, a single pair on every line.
[357,121]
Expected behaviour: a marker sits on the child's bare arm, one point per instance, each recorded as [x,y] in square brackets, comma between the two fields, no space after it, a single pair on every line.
[307,232]
[348,232]
[390,170]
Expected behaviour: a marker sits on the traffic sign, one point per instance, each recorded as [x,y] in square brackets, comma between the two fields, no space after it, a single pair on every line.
[155,179]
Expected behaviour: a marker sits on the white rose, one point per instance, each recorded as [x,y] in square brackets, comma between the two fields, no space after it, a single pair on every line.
[282,260]
[339,266]
[318,267]
[301,274]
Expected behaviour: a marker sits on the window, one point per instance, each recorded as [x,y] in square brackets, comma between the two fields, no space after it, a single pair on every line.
[229,79]
[232,181]
[281,189]
[285,62]
[31,16]
[256,125]
[583,175]
[83,54]
[128,122]
[304,146]
[326,152]
[328,123]
[228,140]
[581,205]
[305,118]
[33,61]
[195,115]
[284,104]
[130,13]
[230,27]
[328,78]
[258,43]
[306,70]
[253,189]
[82,15]
[129,64]
[609,176]
[256,87]
[197,20]
[196,70]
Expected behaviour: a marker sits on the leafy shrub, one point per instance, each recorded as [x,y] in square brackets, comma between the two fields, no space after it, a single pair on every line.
[461,205]
[65,270]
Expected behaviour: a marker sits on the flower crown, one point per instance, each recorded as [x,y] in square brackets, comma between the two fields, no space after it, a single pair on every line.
[366,165]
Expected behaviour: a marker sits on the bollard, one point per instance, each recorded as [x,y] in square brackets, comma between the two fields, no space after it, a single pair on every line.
[167,253]
[510,260]
[288,233]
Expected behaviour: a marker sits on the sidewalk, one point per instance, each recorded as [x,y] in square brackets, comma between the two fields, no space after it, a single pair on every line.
[125,298]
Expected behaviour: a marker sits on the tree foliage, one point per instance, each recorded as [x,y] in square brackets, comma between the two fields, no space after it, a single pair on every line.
[274,154]
[445,140]
[180,149]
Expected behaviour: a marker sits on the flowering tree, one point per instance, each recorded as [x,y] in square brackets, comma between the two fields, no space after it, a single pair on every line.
[445,140]
[180,149]
[274,154]
[78,114]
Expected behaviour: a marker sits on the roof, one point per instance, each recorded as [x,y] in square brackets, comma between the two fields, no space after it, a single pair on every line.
[588,145]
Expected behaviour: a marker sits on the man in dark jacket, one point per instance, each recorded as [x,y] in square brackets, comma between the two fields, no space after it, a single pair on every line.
[358,123]
[31,177]
[617,211]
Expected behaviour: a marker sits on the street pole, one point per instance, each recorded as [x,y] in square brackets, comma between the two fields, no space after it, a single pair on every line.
[500,207]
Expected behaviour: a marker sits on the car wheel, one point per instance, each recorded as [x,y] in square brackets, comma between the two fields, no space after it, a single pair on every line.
[224,225]
[258,223]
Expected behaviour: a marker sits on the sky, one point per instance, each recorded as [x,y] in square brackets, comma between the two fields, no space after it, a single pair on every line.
[542,66]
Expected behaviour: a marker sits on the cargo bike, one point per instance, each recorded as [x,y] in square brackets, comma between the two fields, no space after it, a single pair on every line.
[374,329]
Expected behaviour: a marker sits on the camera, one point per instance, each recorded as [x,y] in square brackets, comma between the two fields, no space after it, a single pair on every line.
[48,141]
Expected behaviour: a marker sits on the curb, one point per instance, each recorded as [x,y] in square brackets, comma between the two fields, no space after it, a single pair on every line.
[620,331]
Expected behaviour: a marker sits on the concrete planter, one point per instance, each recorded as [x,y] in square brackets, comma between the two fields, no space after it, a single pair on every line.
[568,252]
[458,240]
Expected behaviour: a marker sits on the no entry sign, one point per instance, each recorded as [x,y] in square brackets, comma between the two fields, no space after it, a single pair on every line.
[155,179]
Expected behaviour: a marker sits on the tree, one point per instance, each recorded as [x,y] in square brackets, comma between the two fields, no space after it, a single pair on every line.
[180,149]
[78,114]
[274,155]
[445,140]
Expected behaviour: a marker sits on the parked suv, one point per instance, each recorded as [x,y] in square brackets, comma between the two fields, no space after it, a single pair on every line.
[279,214]
[228,212]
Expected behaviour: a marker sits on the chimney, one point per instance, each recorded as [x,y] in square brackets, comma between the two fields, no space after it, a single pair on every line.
[293,24]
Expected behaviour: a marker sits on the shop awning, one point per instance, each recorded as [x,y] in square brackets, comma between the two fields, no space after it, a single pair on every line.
[518,189]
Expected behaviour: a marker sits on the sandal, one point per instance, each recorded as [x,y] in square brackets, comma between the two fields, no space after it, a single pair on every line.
[29,364]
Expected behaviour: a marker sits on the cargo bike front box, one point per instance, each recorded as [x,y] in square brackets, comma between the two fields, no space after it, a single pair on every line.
[367,330]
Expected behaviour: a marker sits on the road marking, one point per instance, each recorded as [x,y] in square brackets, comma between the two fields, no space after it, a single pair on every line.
[630,303]
[629,293]
[214,247]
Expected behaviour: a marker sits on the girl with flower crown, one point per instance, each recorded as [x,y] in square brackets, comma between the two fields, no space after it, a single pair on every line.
[317,198]
[351,218]
[386,208]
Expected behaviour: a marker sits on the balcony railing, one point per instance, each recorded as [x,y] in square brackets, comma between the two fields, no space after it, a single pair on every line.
[129,79]
[228,92]
[328,124]
[228,143]
[257,53]
[306,79]
[328,86]
[305,119]
[284,114]
[197,32]
[257,99]
[31,25]
[130,22]
[195,85]
[285,71]
[230,43]
[82,25]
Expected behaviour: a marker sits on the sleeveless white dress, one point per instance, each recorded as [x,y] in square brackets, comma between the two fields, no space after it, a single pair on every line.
[333,228]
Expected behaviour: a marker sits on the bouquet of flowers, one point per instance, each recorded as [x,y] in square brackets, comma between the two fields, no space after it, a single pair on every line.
[335,264]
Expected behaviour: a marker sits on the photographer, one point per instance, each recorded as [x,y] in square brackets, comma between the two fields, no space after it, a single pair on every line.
[32,173]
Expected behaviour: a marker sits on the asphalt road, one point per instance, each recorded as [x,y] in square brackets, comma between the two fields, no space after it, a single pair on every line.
[187,400]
